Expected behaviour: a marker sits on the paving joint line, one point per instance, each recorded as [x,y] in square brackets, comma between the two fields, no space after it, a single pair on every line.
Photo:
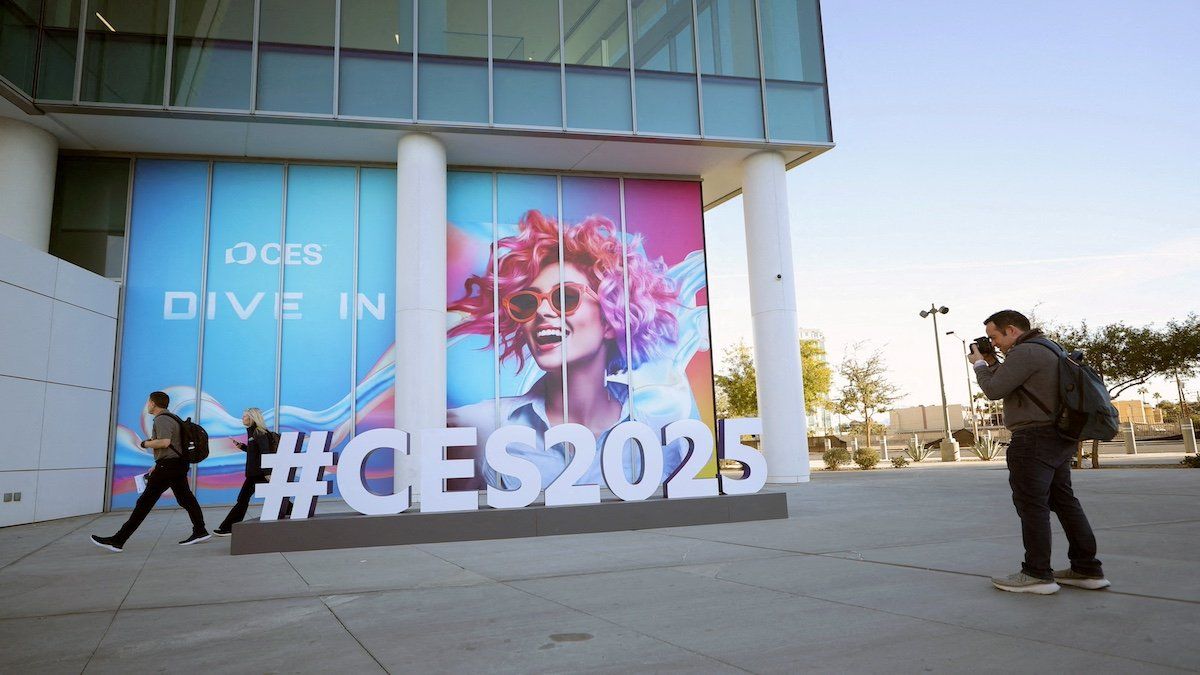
[115,612]
[289,562]
[953,625]
[53,541]
[830,555]
[353,636]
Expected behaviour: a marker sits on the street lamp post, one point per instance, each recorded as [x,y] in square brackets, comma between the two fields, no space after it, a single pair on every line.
[970,389]
[949,445]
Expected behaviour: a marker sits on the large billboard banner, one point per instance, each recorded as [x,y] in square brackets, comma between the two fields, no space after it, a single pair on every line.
[573,302]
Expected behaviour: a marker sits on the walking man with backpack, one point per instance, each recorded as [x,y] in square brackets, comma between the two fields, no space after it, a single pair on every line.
[170,472]
[1045,425]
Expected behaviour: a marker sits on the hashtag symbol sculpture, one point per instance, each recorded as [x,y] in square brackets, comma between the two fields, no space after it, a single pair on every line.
[296,474]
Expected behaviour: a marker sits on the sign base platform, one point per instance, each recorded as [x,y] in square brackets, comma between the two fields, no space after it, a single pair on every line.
[351,530]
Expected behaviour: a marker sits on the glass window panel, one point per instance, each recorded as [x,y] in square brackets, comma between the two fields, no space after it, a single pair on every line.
[470,356]
[125,51]
[88,219]
[667,103]
[18,42]
[452,77]
[666,71]
[56,58]
[162,309]
[732,107]
[211,61]
[295,56]
[241,318]
[729,68]
[596,36]
[315,358]
[799,111]
[526,77]
[376,59]
[791,34]
[376,320]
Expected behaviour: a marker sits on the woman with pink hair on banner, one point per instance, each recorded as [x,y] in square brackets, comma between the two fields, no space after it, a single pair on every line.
[573,312]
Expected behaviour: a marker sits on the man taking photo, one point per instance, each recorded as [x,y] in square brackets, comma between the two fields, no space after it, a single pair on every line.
[1038,457]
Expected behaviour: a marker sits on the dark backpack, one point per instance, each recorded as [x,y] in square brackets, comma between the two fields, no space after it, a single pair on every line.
[1085,410]
[194,439]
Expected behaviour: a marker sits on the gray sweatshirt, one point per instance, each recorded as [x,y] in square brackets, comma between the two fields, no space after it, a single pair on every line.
[1031,366]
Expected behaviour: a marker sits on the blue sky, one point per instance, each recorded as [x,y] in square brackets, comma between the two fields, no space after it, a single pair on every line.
[989,155]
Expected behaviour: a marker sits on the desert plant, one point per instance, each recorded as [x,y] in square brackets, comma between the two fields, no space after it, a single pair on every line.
[866,458]
[917,451]
[899,462]
[834,458]
[987,448]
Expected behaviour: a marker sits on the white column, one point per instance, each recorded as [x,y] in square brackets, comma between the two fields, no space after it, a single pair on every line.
[28,157]
[773,305]
[420,292]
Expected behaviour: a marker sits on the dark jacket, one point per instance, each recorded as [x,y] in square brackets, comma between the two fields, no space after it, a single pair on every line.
[257,445]
[1028,369]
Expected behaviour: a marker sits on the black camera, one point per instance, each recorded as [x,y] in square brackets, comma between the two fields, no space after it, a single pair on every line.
[984,345]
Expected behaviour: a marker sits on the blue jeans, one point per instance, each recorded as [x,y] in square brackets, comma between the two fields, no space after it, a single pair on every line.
[1039,473]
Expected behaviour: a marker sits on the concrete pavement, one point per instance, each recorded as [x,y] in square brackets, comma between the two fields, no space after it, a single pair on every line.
[881,571]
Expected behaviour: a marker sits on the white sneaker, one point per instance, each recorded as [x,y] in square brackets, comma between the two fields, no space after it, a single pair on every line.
[1023,583]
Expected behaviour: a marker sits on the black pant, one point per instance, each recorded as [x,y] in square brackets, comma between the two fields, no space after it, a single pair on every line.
[167,474]
[1039,472]
[238,512]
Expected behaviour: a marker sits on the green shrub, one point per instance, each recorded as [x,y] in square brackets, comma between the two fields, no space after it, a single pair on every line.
[835,457]
[866,458]
[1191,462]
[899,462]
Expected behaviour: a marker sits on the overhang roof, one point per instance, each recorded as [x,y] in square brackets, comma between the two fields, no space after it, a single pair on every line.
[158,132]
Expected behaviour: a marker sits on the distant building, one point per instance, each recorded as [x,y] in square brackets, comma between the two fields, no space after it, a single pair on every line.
[925,418]
[1138,412]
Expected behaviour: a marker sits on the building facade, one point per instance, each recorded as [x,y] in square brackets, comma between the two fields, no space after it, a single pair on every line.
[1138,412]
[337,210]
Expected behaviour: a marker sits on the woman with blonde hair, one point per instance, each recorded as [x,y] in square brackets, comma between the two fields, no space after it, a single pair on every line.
[260,440]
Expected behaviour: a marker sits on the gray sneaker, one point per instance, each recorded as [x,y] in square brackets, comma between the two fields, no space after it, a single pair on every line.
[1023,583]
[1070,577]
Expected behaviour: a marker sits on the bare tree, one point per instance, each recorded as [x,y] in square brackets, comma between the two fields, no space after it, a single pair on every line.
[867,390]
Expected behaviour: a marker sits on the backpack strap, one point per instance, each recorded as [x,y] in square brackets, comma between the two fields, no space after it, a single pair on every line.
[1059,352]
[1036,401]
[178,451]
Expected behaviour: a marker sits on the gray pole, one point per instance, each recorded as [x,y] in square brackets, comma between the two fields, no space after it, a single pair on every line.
[949,446]
[970,389]
[937,345]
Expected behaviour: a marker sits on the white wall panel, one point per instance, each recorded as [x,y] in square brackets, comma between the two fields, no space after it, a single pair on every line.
[25,482]
[82,344]
[69,492]
[24,332]
[80,287]
[21,403]
[75,428]
[24,266]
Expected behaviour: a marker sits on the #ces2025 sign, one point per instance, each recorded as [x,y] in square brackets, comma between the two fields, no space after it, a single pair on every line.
[307,468]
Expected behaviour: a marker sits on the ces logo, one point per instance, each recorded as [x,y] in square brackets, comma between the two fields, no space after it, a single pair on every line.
[244,253]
